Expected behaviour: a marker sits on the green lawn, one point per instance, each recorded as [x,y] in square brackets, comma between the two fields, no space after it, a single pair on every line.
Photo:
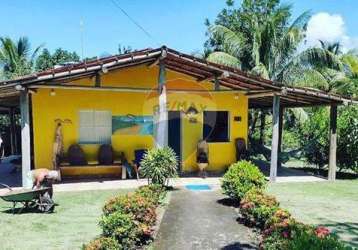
[334,205]
[74,222]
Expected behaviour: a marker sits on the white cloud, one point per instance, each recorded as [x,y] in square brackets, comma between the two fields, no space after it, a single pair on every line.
[331,28]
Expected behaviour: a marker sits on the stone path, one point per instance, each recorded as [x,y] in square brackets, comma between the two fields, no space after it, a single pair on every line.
[200,220]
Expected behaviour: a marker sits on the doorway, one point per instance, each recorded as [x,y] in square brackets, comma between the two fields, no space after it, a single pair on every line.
[175,133]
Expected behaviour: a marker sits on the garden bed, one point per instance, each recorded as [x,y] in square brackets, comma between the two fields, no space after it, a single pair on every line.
[131,221]
[279,229]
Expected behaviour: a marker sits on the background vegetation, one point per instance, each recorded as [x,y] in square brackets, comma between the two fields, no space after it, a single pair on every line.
[262,37]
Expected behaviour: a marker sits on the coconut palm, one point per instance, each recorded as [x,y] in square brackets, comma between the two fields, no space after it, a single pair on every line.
[16,58]
[329,79]
[260,39]
[271,42]
[350,60]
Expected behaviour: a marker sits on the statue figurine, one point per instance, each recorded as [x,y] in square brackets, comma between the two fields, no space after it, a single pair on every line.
[57,152]
[202,157]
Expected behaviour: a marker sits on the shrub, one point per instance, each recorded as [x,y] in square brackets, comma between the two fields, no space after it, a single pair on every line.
[280,218]
[139,208]
[296,236]
[314,137]
[159,164]
[127,221]
[307,240]
[347,149]
[257,208]
[121,227]
[240,178]
[103,243]
[154,193]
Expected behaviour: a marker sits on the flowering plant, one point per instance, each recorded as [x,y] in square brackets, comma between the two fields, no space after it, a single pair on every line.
[322,232]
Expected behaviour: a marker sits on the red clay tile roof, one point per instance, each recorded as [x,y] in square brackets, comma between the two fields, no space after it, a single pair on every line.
[201,69]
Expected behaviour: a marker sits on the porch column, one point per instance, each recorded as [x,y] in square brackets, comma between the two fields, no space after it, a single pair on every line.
[332,166]
[275,137]
[161,137]
[25,136]
[12,131]
[280,127]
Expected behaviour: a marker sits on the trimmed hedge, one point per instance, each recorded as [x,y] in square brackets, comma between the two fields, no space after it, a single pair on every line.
[280,231]
[128,220]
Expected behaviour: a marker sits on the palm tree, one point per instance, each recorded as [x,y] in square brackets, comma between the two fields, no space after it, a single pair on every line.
[330,79]
[350,60]
[271,43]
[265,43]
[16,58]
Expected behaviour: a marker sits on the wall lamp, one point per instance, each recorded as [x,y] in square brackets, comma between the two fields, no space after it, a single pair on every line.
[52,92]
[192,113]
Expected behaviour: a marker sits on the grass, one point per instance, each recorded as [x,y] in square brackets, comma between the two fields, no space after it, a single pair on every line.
[334,205]
[74,222]
[345,174]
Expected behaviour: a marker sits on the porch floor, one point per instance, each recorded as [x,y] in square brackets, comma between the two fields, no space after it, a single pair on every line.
[14,180]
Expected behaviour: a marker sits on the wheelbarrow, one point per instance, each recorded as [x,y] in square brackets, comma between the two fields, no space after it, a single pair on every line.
[29,198]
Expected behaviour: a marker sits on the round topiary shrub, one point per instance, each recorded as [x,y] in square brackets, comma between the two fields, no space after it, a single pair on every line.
[159,164]
[240,178]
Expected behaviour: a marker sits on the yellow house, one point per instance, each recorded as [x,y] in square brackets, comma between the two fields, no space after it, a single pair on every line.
[131,92]
[140,100]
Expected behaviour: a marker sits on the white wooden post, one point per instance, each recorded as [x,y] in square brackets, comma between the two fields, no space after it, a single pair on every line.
[161,136]
[332,165]
[275,137]
[280,133]
[12,131]
[25,137]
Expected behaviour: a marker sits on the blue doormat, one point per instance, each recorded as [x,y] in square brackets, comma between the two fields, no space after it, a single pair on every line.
[198,187]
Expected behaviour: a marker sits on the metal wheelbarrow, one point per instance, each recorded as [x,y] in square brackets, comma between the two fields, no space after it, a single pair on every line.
[30,198]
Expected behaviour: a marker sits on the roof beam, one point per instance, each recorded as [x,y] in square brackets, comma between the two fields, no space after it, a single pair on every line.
[124,89]
[162,56]
[264,94]
[224,74]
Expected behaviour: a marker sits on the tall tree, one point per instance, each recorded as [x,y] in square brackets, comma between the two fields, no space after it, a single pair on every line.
[16,57]
[341,81]
[259,37]
[46,60]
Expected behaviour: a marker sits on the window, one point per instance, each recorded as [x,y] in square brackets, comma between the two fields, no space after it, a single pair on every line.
[216,126]
[95,127]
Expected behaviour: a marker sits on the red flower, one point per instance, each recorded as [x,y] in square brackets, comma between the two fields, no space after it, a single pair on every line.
[322,232]
[247,205]
[285,234]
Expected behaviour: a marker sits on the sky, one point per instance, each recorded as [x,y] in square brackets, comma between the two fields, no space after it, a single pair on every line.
[179,24]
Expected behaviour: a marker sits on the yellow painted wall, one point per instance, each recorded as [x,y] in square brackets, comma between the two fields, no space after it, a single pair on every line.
[220,154]
[67,103]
